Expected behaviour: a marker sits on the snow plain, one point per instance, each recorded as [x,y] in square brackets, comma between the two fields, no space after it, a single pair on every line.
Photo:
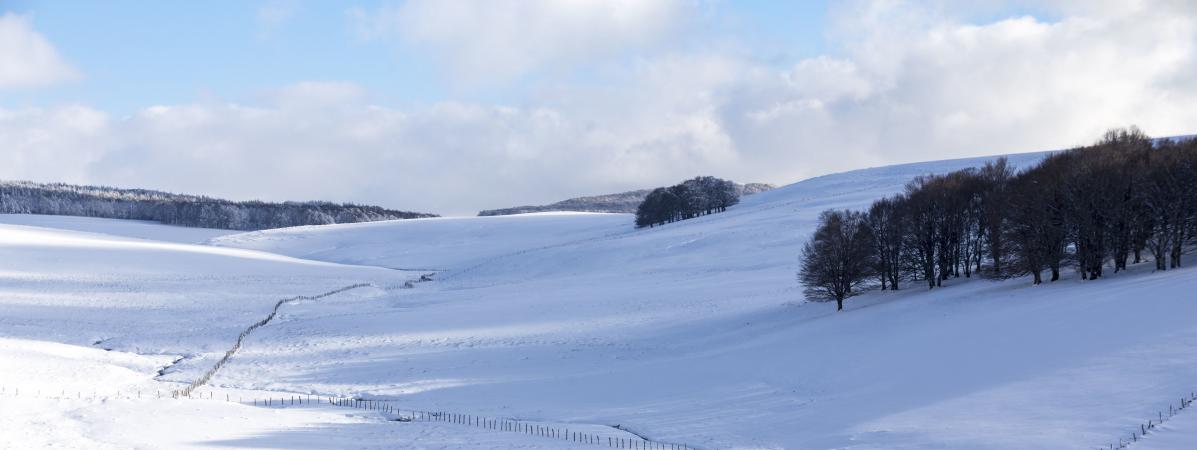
[694,332]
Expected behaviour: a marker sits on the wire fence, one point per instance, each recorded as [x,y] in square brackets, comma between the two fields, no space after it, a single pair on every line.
[558,432]
[401,415]
[1149,426]
[541,430]
[386,407]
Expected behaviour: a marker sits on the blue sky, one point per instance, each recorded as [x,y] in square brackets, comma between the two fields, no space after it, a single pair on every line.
[452,106]
[136,53]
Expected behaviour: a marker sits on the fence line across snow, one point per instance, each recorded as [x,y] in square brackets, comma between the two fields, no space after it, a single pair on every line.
[382,406]
[1149,426]
[509,425]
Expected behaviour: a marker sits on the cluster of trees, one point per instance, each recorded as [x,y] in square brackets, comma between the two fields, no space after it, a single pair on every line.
[691,198]
[186,210]
[1123,200]
[623,202]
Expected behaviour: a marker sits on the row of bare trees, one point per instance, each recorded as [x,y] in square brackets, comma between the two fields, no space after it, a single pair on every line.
[1124,200]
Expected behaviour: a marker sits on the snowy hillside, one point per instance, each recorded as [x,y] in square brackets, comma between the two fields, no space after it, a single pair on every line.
[693,332]
[623,202]
[430,244]
[140,229]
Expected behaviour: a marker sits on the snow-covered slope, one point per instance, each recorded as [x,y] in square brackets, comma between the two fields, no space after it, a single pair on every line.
[127,228]
[149,297]
[693,332]
[429,244]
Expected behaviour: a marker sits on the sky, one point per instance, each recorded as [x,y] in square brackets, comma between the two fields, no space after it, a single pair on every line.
[450,106]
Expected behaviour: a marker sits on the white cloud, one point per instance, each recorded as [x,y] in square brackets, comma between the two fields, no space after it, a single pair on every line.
[52,143]
[912,84]
[26,58]
[324,141]
[916,83]
[499,40]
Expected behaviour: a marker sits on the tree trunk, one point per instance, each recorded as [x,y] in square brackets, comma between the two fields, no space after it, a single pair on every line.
[978,270]
[839,304]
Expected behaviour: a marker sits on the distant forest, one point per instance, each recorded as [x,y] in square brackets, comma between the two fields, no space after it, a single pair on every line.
[23,197]
[1124,200]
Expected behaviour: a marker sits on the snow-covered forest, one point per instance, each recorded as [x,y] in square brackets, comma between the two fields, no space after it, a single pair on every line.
[23,197]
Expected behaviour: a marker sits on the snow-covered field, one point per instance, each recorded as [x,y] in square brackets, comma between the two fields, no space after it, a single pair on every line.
[126,228]
[693,333]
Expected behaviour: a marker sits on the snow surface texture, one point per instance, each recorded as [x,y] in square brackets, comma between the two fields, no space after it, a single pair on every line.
[692,332]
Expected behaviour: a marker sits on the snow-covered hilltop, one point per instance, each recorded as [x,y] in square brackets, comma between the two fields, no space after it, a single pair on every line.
[693,332]
[623,202]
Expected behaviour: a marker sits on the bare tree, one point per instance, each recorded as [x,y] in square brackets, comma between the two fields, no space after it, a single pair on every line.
[887,233]
[922,215]
[996,176]
[1029,228]
[1170,197]
[838,258]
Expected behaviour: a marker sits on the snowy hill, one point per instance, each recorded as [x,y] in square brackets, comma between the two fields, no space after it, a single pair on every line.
[693,332]
[623,202]
[429,244]
[140,229]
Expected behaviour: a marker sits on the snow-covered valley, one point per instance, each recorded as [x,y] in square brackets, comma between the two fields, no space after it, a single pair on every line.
[694,332]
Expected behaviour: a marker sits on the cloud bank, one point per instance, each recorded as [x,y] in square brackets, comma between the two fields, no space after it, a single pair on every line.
[906,82]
